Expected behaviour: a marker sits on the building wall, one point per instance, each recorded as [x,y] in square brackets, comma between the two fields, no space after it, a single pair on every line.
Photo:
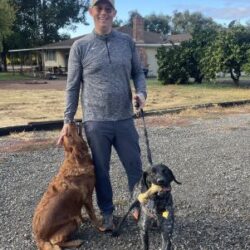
[61,62]
[58,61]
[152,62]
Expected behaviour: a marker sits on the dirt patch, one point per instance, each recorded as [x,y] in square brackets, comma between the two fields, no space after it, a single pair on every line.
[15,145]
[164,121]
[28,141]
[33,84]
[186,117]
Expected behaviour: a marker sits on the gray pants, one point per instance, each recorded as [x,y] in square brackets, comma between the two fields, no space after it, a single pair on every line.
[101,137]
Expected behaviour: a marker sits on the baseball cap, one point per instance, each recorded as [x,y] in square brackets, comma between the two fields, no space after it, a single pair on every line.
[94,2]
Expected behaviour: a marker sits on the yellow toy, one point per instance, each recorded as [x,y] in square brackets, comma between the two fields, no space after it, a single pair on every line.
[165,214]
[144,197]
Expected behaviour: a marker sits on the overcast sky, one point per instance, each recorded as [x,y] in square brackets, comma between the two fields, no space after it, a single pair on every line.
[222,11]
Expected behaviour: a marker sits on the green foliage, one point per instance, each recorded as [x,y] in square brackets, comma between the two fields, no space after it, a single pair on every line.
[38,21]
[158,23]
[131,15]
[155,23]
[196,49]
[172,65]
[7,17]
[228,53]
[117,22]
[190,54]
[246,66]
[185,22]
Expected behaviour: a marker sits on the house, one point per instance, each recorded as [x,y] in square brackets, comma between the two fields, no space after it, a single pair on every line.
[54,57]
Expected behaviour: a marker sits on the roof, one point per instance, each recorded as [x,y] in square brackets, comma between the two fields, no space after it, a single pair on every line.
[150,38]
[62,44]
[178,38]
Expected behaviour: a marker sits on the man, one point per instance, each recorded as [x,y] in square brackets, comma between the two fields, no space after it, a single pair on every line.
[101,65]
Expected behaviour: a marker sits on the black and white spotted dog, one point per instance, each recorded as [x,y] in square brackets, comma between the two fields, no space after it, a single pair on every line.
[159,207]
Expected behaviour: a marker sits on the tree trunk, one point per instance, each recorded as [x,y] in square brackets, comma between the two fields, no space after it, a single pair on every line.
[198,78]
[4,61]
[4,56]
[235,76]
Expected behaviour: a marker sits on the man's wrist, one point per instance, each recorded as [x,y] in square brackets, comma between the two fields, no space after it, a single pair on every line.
[141,95]
[68,121]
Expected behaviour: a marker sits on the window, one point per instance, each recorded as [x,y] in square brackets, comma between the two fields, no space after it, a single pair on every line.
[50,55]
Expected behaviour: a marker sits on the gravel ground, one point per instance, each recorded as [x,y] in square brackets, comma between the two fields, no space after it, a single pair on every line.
[210,157]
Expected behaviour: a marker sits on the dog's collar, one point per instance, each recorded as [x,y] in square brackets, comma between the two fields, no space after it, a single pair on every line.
[165,189]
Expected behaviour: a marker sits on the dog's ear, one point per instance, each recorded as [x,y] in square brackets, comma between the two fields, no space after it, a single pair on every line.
[170,173]
[145,181]
[173,178]
[144,178]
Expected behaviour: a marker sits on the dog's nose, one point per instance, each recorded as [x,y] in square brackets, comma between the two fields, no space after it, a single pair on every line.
[160,181]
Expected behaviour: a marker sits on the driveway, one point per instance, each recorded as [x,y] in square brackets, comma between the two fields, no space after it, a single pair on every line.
[211,158]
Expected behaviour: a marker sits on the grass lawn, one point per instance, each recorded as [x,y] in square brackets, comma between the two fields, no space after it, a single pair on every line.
[18,107]
[7,76]
[169,96]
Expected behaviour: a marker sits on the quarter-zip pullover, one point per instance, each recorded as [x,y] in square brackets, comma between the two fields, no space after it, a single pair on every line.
[101,66]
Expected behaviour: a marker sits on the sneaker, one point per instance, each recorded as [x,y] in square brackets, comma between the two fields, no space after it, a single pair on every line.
[107,223]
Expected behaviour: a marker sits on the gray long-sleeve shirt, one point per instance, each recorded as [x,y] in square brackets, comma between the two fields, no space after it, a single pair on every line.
[101,67]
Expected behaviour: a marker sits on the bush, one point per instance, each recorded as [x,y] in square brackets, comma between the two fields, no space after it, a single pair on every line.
[172,65]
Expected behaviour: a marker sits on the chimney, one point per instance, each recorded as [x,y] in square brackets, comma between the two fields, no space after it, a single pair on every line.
[138,29]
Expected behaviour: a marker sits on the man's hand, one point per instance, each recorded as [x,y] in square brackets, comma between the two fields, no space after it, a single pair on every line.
[64,131]
[139,100]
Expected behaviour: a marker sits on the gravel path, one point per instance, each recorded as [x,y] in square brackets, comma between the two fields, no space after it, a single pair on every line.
[210,157]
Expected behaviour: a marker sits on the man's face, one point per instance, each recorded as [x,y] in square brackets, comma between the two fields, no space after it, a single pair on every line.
[103,14]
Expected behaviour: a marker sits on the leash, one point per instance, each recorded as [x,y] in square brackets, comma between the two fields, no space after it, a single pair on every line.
[149,155]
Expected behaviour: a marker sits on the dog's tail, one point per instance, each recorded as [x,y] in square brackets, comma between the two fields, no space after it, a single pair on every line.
[45,245]
[116,232]
[72,243]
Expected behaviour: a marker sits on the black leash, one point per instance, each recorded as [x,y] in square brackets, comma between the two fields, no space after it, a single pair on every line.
[149,155]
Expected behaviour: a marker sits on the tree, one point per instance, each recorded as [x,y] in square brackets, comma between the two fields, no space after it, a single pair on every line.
[7,17]
[155,23]
[158,23]
[186,22]
[190,54]
[131,15]
[246,66]
[228,53]
[203,31]
[38,22]
[196,48]
[117,22]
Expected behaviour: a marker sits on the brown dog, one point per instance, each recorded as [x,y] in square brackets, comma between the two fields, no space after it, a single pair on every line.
[58,214]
